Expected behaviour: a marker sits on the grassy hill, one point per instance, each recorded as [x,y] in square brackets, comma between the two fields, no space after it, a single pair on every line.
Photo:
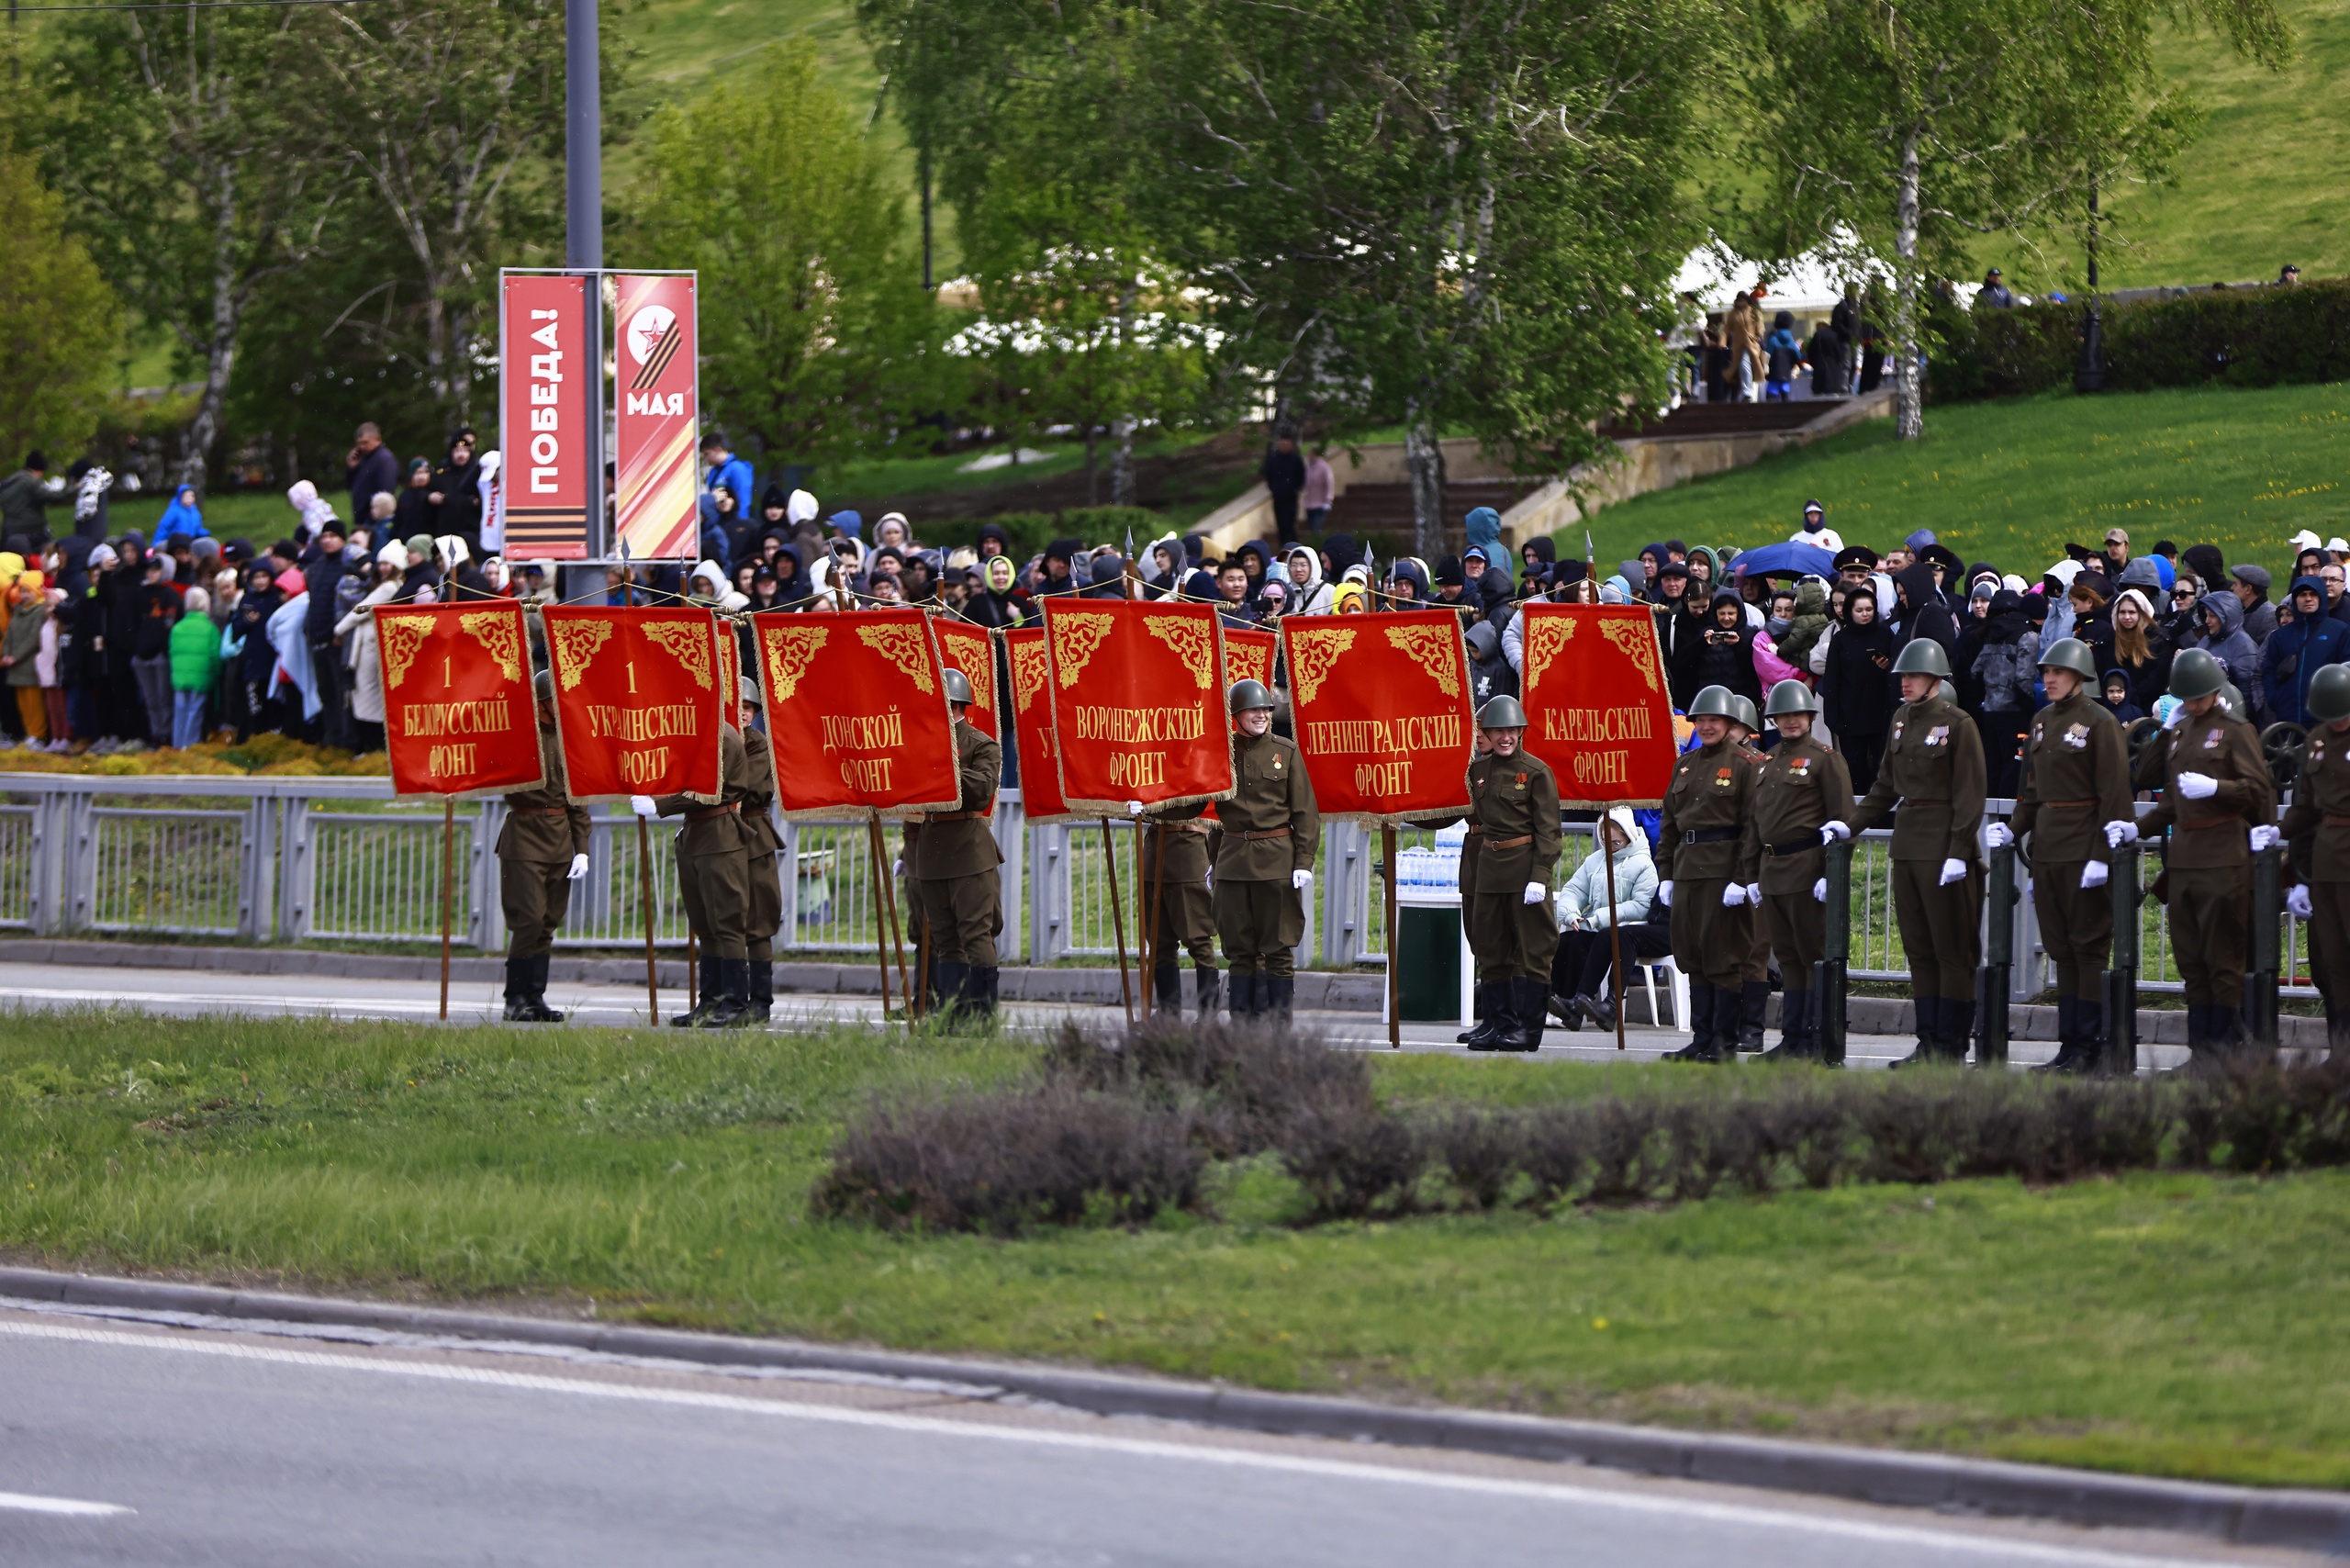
[2011,482]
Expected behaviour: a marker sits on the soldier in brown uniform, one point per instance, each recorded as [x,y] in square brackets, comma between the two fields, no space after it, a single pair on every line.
[1803,786]
[1512,926]
[714,884]
[2319,826]
[541,850]
[1264,861]
[2076,779]
[954,860]
[764,918]
[1933,766]
[1703,872]
[1754,975]
[2219,805]
[1483,1024]
[1175,862]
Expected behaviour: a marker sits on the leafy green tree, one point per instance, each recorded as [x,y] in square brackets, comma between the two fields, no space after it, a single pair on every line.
[61,325]
[1914,126]
[170,137]
[817,336]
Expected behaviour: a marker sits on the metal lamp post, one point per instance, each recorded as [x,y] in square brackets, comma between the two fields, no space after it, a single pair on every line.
[2089,375]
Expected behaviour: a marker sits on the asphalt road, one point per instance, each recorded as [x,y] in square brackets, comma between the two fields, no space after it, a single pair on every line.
[129,1443]
[199,993]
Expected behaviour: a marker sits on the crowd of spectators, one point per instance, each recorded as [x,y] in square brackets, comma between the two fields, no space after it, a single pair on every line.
[127,642]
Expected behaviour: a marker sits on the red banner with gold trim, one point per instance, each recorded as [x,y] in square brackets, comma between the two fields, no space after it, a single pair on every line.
[856,711]
[1597,706]
[636,700]
[1138,694]
[730,672]
[459,717]
[1380,708]
[971,650]
[1032,725]
[1248,656]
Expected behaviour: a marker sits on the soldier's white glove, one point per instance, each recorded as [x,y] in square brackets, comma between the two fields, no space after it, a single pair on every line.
[1536,892]
[897,868]
[1665,892]
[2197,786]
[2177,717]
[1820,891]
[1754,895]
[1953,870]
[1733,895]
[1299,879]
[2297,903]
[1831,832]
[1133,808]
[2263,838]
[2117,834]
[578,868]
[642,806]
[1998,836]
[2096,874]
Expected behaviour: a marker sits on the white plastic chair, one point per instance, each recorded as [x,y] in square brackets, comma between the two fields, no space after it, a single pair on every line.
[1676,986]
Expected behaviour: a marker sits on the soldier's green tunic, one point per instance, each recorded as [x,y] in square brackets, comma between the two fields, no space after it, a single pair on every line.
[2076,779]
[1513,801]
[1183,917]
[1803,787]
[1933,767]
[1270,829]
[762,844]
[1701,850]
[954,859]
[713,855]
[2209,858]
[543,831]
[2318,824]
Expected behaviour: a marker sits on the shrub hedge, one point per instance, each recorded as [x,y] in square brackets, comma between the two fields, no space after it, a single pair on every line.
[1123,1130]
[2241,337]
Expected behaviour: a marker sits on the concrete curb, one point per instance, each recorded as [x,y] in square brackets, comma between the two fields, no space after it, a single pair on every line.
[1317,991]
[2303,1521]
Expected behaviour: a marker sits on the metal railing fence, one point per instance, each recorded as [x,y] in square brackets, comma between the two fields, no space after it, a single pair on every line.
[283,859]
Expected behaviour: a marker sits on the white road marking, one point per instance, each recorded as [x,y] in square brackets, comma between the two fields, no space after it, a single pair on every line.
[24,1504]
[1908,1536]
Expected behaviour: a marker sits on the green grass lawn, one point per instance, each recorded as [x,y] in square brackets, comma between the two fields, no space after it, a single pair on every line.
[2163,1323]
[2012,481]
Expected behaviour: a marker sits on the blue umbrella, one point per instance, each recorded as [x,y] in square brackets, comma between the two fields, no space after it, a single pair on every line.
[1785,561]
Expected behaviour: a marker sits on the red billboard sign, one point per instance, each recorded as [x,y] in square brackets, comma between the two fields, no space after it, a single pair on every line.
[656,419]
[547,379]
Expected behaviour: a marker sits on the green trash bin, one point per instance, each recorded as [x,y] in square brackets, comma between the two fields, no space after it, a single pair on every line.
[1428,954]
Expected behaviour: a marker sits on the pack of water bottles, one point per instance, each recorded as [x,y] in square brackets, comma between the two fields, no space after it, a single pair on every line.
[1432,870]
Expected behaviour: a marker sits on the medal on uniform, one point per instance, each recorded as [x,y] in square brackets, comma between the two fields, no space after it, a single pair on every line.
[1940,734]
[2078,737]
[1721,779]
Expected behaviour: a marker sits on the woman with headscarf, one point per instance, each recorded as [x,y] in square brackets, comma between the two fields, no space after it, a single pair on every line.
[357,630]
[455,493]
[413,511]
[791,590]
[256,659]
[1726,657]
[1855,693]
[2225,640]
[2007,672]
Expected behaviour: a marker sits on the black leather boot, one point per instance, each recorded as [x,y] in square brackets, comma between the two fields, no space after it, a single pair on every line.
[1167,985]
[1957,1029]
[2089,1020]
[1526,999]
[2229,1037]
[1567,1010]
[1479,1035]
[733,1007]
[762,990]
[706,976]
[978,992]
[534,978]
[2068,1037]
[947,1002]
[1753,997]
[1280,996]
[1794,1045]
[1700,1048]
[517,993]
[1599,1009]
[1203,992]
[1927,1009]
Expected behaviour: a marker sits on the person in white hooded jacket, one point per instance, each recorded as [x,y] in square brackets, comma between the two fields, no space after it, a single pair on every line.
[1309,593]
[1579,972]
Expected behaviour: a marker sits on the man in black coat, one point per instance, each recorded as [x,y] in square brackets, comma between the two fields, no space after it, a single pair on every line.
[371,469]
[1285,477]
[322,568]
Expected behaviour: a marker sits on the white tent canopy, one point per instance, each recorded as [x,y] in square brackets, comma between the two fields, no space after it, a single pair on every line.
[1810,285]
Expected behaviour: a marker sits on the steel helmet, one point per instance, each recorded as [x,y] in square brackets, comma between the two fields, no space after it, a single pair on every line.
[1501,713]
[1248,694]
[749,692]
[1791,697]
[2328,697]
[1946,692]
[958,686]
[2195,673]
[1747,715]
[2232,702]
[2072,653]
[1922,656]
[543,686]
[1714,702]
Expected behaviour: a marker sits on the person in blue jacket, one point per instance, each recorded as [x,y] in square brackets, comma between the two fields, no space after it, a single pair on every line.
[721,466]
[2297,652]
[182,515]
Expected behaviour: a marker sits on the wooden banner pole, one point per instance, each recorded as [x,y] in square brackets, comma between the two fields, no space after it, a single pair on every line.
[448,891]
[1147,939]
[889,900]
[1614,932]
[645,888]
[1395,945]
[880,922]
[1117,920]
